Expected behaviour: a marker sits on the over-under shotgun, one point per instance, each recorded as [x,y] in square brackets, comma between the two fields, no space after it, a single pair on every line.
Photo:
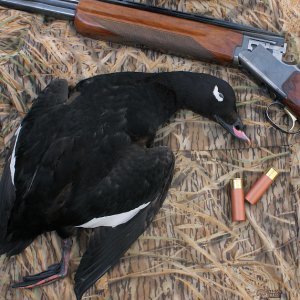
[256,50]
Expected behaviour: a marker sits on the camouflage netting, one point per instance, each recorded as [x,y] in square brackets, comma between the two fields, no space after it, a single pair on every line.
[192,250]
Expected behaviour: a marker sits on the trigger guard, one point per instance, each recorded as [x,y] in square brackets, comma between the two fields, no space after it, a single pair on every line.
[278,103]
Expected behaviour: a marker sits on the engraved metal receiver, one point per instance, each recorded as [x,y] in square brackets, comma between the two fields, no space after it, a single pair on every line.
[263,59]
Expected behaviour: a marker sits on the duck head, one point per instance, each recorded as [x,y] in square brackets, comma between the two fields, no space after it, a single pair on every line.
[223,110]
[213,98]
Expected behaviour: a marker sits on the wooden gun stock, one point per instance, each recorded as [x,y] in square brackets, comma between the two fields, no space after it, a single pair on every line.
[292,89]
[128,25]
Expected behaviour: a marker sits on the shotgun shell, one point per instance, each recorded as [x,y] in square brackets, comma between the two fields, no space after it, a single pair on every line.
[261,185]
[237,200]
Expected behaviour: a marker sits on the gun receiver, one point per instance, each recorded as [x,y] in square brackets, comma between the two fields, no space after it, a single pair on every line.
[282,79]
[258,51]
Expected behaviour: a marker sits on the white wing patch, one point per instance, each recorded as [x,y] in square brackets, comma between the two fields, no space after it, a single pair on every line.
[13,157]
[219,96]
[113,220]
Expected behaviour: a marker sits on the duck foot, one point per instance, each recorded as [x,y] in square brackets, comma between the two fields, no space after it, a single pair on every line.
[53,273]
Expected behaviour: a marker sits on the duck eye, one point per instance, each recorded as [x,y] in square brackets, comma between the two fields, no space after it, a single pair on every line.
[219,96]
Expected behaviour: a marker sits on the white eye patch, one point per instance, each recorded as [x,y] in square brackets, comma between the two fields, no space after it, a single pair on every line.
[219,96]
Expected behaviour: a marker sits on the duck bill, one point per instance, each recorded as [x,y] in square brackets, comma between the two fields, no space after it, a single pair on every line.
[235,129]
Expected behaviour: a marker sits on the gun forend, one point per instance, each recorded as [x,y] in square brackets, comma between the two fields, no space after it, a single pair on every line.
[121,24]
[174,32]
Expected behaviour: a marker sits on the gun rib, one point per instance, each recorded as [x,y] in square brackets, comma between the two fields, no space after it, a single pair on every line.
[58,3]
[56,8]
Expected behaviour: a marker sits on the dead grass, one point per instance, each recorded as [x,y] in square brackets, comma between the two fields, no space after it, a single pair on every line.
[192,250]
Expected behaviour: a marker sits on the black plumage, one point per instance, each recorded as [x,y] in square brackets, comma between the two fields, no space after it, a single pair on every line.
[85,152]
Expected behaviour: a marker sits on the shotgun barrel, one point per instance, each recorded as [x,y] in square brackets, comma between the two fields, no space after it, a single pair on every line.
[63,9]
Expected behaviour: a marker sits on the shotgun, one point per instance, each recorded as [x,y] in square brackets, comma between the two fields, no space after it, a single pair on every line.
[257,51]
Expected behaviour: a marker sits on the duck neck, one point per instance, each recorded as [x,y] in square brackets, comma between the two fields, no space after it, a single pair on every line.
[185,91]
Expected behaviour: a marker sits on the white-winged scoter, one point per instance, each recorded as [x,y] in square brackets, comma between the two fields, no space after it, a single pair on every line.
[82,157]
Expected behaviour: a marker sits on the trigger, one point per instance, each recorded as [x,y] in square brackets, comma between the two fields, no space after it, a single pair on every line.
[292,116]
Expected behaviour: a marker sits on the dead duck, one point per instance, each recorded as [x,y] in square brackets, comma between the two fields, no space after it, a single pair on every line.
[81,159]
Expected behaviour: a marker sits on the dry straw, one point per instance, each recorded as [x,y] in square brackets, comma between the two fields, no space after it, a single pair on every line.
[192,250]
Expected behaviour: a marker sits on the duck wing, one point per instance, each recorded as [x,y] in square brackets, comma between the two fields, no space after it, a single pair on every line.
[108,244]
[7,198]
[37,132]
[55,93]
